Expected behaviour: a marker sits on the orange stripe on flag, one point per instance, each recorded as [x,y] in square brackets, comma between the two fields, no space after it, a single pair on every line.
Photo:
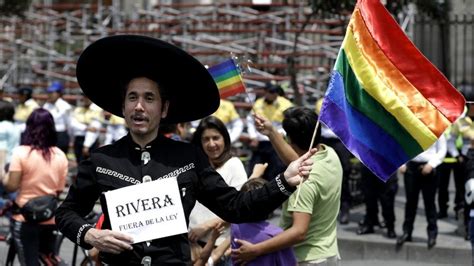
[231,90]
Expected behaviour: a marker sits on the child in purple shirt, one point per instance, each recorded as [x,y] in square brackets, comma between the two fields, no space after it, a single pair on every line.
[258,232]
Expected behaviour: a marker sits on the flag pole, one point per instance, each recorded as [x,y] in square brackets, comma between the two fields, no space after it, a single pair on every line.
[310,147]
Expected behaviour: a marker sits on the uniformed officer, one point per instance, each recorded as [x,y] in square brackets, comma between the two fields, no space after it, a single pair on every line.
[271,106]
[61,112]
[85,126]
[141,79]
[26,105]
[229,116]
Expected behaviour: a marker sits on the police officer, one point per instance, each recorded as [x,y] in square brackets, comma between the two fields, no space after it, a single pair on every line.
[271,106]
[61,112]
[26,105]
[141,79]
[229,116]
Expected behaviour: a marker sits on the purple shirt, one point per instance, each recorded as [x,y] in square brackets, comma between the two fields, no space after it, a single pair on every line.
[258,232]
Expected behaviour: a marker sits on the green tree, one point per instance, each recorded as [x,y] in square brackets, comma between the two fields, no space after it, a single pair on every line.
[14,7]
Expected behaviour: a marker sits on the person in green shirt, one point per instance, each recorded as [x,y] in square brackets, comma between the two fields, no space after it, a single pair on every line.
[309,220]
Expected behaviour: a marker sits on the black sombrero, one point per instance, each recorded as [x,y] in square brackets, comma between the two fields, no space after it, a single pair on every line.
[106,65]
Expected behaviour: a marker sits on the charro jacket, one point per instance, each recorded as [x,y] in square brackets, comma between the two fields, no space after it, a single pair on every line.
[125,163]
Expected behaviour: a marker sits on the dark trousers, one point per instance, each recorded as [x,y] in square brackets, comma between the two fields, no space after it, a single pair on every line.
[265,153]
[32,239]
[375,191]
[444,174]
[78,145]
[63,141]
[345,158]
[427,184]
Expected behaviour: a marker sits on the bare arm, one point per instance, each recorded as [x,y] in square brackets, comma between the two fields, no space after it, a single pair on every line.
[283,149]
[220,250]
[200,230]
[12,180]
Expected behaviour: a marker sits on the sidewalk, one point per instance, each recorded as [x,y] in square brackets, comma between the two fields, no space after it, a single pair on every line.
[450,249]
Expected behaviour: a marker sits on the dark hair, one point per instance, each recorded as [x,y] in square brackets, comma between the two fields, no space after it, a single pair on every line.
[167,128]
[26,91]
[7,111]
[40,133]
[212,122]
[299,124]
[253,183]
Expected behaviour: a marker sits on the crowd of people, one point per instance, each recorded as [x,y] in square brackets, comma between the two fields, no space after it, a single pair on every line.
[145,127]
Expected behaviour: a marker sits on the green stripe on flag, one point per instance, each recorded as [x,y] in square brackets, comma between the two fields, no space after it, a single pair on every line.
[364,103]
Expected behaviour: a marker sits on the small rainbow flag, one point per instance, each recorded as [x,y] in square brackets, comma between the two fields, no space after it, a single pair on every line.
[228,79]
[385,101]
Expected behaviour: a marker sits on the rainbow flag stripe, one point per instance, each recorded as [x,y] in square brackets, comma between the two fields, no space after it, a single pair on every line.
[385,101]
[228,79]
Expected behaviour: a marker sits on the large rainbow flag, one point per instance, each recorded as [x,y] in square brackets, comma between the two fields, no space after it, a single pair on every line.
[228,79]
[385,101]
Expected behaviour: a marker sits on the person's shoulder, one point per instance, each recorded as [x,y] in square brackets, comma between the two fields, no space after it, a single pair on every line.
[58,152]
[234,161]
[62,104]
[78,109]
[259,101]
[226,104]
[284,102]
[113,149]
[21,149]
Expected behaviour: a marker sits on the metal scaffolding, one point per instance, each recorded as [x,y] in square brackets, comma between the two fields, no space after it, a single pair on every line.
[44,45]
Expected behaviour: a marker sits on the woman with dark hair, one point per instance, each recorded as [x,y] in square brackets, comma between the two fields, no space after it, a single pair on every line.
[37,168]
[213,138]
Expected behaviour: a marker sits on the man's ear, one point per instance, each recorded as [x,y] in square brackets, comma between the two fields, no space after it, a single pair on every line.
[164,109]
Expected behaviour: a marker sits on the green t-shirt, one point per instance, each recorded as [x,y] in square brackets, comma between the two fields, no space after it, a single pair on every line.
[319,196]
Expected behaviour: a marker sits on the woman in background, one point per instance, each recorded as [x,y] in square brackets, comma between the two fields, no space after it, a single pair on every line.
[37,168]
[213,138]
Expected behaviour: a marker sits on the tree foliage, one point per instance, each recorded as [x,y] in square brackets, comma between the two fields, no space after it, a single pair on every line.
[430,7]
[14,7]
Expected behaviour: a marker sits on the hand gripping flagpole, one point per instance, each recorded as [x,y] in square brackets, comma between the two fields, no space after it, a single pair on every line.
[310,147]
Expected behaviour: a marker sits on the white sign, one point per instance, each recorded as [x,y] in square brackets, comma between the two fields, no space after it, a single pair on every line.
[147,211]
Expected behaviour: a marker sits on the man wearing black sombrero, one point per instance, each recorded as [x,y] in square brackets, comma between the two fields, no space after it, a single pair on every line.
[148,81]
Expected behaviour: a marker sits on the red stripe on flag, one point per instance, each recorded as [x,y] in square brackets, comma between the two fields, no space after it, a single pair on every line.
[231,90]
[410,61]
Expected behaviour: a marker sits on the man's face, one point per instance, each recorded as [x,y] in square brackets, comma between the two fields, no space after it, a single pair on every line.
[85,102]
[143,108]
[270,97]
[22,98]
[53,97]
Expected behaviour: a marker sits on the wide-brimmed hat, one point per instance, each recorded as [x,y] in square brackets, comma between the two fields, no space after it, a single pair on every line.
[107,65]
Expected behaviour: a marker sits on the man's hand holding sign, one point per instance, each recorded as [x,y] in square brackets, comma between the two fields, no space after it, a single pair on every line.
[147,211]
[141,79]
[153,210]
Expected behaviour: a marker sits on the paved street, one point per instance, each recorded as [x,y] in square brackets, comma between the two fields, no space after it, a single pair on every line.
[373,249]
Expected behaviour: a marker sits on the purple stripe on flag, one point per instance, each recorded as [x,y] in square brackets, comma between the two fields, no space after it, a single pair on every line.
[365,139]
[335,119]
[222,68]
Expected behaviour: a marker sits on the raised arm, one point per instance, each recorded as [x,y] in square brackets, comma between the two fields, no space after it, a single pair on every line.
[283,149]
